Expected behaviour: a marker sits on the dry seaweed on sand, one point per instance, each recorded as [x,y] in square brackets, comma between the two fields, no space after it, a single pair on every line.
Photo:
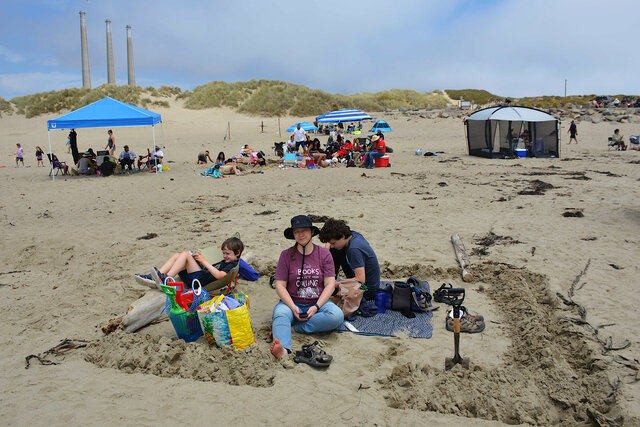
[536,188]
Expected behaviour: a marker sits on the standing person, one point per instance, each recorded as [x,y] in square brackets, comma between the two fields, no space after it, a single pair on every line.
[127,158]
[111,143]
[379,148]
[19,155]
[351,252]
[68,145]
[73,142]
[573,131]
[39,154]
[304,282]
[299,136]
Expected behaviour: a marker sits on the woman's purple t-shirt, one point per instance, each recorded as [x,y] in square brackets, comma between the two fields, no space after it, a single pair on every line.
[317,266]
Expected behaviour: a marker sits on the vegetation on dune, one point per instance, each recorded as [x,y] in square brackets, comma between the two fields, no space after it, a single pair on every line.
[5,107]
[72,99]
[269,98]
[478,96]
[276,98]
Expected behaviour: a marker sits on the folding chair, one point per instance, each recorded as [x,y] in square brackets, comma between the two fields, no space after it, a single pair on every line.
[56,165]
[289,158]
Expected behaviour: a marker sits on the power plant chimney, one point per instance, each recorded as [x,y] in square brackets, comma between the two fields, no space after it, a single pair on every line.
[86,75]
[111,75]
[130,73]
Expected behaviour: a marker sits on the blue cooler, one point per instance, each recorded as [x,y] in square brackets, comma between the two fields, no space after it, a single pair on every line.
[521,152]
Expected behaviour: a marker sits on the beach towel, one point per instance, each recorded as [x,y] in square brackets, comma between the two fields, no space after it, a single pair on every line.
[392,323]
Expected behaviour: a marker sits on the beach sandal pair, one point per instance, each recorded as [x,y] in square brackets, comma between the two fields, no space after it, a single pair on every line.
[313,356]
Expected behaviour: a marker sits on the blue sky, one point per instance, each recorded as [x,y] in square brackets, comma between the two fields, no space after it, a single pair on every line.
[508,47]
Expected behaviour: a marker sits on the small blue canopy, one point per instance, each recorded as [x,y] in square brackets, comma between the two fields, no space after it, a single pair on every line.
[304,125]
[380,125]
[344,115]
[107,112]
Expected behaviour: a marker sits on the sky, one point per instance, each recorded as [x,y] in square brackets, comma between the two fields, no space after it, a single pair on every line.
[511,48]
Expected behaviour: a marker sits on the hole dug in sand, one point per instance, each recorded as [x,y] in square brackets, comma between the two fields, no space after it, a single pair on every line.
[165,357]
[548,374]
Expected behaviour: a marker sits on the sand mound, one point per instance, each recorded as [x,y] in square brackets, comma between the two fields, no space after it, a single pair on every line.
[166,357]
[549,375]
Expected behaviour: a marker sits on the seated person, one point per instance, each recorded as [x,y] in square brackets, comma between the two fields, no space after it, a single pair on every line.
[107,166]
[257,159]
[203,156]
[192,265]
[144,160]
[246,151]
[304,281]
[291,145]
[316,152]
[156,156]
[126,158]
[344,150]
[379,148]
[618,140]
[220,159]
[60,165]
[86,165]
[352,253]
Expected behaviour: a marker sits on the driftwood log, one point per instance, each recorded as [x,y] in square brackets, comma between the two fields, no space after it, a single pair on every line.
[141,312]
[463,259]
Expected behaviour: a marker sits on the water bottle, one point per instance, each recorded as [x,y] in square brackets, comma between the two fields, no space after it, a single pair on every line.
[419,152]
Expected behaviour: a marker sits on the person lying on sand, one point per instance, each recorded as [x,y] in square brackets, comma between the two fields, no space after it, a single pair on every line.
[194,266]
[304,282]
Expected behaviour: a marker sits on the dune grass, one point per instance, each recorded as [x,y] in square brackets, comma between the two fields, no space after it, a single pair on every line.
[277,98]
[478,96]
[5,107]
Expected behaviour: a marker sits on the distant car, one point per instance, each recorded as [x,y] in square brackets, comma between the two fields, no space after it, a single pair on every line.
[636,104]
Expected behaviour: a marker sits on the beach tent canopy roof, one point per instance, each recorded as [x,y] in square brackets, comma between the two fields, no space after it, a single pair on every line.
[304,125]
[107,112]
[343,115]
[512,114]
[380,125]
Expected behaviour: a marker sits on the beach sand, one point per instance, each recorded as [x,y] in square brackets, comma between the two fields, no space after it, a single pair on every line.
[71,248]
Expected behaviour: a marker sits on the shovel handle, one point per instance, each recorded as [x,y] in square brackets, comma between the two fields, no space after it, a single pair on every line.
[456,325]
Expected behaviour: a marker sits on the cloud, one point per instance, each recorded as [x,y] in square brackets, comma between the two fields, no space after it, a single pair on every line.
[28,83]
[508,47]
[10,56]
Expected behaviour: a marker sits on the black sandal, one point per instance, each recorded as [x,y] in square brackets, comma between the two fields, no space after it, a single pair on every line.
[313,356]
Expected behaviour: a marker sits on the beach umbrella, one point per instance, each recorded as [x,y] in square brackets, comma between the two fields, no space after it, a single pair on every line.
[382,126]
[304,125]
[344,115]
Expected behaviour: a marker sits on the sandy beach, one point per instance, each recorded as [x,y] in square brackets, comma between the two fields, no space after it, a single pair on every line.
[71,248]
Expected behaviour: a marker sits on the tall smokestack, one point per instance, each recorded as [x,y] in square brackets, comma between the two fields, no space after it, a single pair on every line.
[86,75]
[111,74]
[130,73]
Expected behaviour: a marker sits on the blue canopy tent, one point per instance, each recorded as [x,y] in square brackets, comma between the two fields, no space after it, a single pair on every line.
[107,112]
[380,125]
[344,115]
[304,125]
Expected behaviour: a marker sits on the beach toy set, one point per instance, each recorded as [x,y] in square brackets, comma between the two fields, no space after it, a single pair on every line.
[225,321]
[182,308]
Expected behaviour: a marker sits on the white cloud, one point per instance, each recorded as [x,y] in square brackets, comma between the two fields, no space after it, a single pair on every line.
[28,83]
[10,56]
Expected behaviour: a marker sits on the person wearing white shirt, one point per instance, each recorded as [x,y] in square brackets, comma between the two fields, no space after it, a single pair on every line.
[156,156]
[299,136]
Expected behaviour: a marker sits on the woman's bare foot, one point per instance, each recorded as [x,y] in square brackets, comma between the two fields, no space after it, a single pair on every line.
[277,349]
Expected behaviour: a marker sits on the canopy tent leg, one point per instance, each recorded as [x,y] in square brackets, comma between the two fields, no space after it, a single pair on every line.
[153,128]
[53,176]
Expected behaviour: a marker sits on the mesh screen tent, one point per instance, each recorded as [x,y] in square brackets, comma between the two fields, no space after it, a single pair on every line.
[496,132]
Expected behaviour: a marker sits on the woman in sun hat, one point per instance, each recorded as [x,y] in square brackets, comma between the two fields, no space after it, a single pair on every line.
[304,281]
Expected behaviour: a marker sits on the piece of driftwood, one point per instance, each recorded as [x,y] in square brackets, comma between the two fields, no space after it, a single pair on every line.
[463,259]
[141,312]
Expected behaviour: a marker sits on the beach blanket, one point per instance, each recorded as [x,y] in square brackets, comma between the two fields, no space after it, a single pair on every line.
[392,323]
